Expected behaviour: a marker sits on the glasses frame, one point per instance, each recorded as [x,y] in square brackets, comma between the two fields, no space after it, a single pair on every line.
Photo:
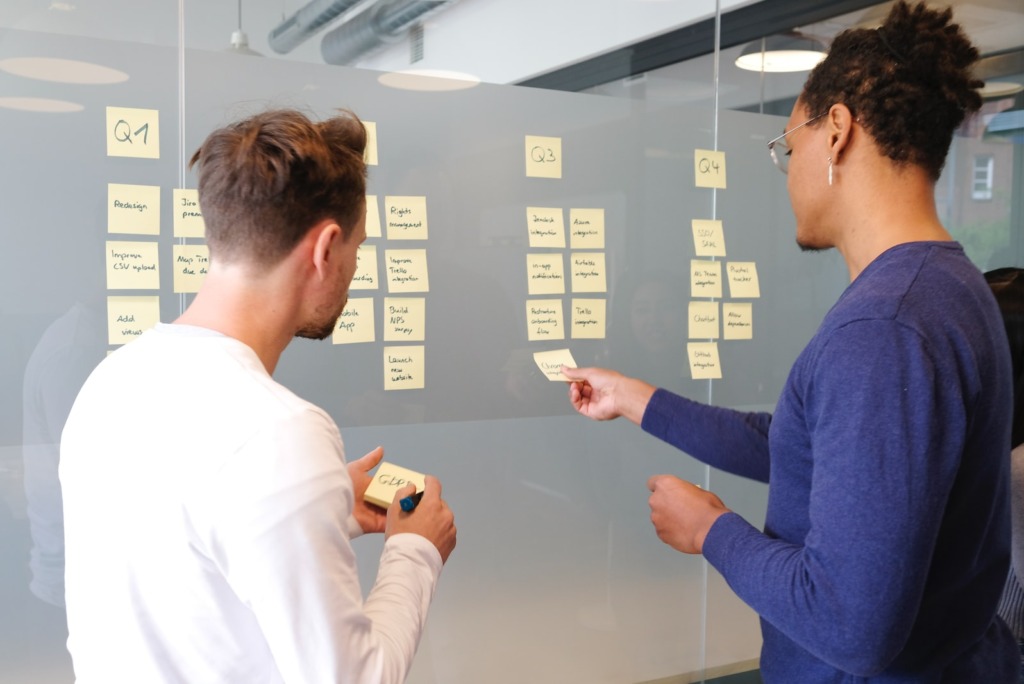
[780,142]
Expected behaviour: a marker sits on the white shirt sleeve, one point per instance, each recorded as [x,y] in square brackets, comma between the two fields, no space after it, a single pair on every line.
[277,526]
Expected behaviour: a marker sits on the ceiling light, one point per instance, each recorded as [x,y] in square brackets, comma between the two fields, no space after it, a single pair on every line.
[62,70]
[782,53]
[40,104]
[1000,89]
[434,80]
[240,44]
[239,40]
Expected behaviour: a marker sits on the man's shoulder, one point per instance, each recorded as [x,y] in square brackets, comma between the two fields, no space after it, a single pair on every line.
[909,283]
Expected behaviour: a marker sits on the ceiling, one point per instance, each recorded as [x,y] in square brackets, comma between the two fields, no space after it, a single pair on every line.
[995,26]
[503,41]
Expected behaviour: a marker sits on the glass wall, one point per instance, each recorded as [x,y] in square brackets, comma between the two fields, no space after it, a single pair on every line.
[980,193]
[558,576]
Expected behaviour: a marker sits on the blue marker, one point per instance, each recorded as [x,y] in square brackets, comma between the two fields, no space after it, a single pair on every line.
[409,502]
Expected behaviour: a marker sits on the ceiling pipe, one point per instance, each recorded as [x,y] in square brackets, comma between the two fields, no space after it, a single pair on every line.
[383,23]
[306,21]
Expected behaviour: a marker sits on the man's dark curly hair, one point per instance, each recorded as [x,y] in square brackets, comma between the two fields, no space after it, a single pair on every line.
[908,82]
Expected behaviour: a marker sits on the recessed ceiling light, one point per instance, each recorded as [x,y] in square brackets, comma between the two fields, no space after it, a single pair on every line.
[62,6]
[40,104]
[435,80]
[62,70]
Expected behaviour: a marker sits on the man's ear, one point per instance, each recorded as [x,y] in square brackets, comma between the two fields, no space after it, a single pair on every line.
[323,236]
[839,122]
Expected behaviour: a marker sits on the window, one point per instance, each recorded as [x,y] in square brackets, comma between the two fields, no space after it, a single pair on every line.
[981,186]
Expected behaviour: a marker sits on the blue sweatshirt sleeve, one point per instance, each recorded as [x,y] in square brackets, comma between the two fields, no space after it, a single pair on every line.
[887,428]
[729,440]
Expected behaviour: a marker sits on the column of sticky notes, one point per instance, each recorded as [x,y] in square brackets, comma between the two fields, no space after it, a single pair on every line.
[709,318]
[131,257]
[403,310]
[546,314]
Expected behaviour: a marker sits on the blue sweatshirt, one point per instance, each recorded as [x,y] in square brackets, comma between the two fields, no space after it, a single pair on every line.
[886,540]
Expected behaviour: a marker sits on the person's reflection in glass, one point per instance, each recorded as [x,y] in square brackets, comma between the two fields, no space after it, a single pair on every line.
[67,351]
[649,332]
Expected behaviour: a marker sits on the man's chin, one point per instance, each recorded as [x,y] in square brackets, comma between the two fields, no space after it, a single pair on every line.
[321,333]
[811,246]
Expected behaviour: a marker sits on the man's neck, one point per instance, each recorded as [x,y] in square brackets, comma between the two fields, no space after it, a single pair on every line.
[259,312]
[892,206]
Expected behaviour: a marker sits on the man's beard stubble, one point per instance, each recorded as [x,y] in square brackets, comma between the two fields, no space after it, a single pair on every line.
[322,328]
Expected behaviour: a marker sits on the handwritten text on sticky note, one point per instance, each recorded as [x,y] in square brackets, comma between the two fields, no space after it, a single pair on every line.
[708,238]
[709,168]
[704,363]
[356,323]
[133,133]
[544,319]
[543,157]
[551,362]
[743,281]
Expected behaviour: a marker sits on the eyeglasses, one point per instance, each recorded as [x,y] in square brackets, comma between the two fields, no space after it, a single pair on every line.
[781,157]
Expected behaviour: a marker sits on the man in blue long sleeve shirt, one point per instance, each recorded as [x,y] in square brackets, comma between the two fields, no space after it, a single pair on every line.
[886,540]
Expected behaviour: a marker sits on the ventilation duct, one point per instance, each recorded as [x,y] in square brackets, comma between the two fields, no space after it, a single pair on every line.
[383,23]
[309,19]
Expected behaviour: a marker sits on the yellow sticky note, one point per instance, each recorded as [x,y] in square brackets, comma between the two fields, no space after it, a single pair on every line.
[546,227]
[386,482]
[551,362]
[588,319]
[188,217]
[544,319]
[703,320]
[743,279]
[366,269]
[406,270]
[190,266]
[545,274]
[372,217]
[704,363]
[543,157]
[588,273]
[737,321]
[405,319]
[370,154]
[709,168]
[705,278]
[129,317]
[406,217]
[133,132]
[132,265]
[586,228]
[403,368]
[356,323]
[133,209]
[708,238]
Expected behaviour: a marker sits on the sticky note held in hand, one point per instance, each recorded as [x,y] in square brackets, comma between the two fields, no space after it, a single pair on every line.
[388,479]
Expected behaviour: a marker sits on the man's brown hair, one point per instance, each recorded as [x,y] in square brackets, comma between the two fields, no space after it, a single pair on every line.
[266,180]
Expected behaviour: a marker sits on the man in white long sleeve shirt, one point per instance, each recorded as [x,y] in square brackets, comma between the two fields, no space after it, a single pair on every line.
[209,511]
